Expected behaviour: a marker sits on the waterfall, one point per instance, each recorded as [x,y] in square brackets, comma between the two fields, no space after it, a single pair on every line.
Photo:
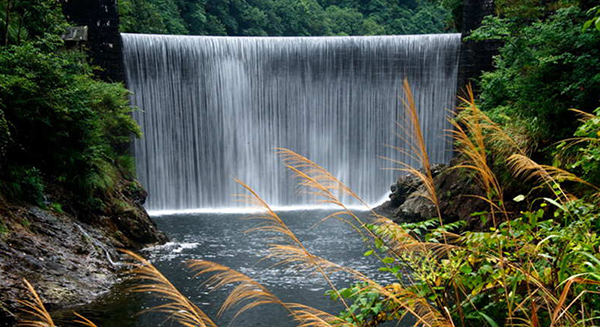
[214,108]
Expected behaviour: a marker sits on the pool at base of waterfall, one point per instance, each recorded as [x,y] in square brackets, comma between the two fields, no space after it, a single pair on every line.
[224,239]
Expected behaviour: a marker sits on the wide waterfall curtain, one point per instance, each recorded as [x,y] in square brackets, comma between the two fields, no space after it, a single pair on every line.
[214,108]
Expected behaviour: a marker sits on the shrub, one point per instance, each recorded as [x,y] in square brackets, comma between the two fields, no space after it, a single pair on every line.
[56,207]
[546,66]
[584,149]
[82,126]
[32,185]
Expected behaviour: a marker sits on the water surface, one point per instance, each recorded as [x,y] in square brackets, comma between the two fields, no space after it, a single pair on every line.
[222,238]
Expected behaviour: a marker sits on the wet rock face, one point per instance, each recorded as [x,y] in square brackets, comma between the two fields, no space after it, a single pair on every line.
[70,258]
[403,188]
[67,261]
[131,219]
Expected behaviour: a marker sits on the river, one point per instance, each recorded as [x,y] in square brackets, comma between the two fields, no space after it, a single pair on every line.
[223,238]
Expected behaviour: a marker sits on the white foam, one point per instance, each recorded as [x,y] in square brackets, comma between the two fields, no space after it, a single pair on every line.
[174,247]
[249,210]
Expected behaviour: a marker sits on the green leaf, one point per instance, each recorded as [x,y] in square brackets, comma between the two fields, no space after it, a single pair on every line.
[345,292]
[519,198]
[478,213]
[388,260]
[488,319]
[556,204]
[368,253]
[466,269]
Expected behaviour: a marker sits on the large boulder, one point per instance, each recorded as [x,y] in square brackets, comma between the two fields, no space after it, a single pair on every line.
[457,193]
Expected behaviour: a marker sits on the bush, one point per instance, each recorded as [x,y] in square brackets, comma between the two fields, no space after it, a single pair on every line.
[61,120]
[544,68]
[32,185]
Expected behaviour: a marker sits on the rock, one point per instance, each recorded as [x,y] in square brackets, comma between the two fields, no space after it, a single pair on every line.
[416,207]
[68,256]
[406,201]
[403,188]
[456,191]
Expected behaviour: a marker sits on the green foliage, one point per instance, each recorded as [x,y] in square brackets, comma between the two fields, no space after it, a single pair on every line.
[549,250]
[545,246]
[22,20]
[4,136]
[595,20]
[545,67]
[285,17]
[582,153]
[58,124]
[32,185]
[56,207]
[368,305]
[151,16]
[82,126]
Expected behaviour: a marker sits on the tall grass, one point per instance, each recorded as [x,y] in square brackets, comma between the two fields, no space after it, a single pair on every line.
[412,135]
[178,306]
[34,307]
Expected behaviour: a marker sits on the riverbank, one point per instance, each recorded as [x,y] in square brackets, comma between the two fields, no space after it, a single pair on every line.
[69,256]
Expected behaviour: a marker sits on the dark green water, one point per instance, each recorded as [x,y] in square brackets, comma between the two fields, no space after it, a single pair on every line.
[221,238]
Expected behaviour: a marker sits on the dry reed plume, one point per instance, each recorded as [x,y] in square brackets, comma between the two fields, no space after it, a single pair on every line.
[83,320]
[295,251]
[524,167]
[251,294]
[36,309]
[247,291]
[178,307]
[296,254]
[413,137]
[470,132]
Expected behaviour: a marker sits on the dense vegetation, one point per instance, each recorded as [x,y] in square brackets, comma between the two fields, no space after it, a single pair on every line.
[58,124]
[547,65]
[286,17]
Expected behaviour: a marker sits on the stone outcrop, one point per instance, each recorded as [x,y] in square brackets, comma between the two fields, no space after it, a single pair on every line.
[457,192]
[70,257]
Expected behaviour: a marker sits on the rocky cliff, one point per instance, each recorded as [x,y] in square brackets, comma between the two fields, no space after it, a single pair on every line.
[69,255]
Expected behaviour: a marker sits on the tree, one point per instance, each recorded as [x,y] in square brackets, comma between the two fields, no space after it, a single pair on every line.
[546,66]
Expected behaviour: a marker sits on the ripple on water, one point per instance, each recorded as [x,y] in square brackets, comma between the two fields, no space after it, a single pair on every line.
[221,238]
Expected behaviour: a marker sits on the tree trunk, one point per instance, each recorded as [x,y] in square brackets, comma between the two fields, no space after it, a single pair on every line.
[19,30]
[7,21]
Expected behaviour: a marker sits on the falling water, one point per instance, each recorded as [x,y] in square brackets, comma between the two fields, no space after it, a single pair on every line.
[214,108]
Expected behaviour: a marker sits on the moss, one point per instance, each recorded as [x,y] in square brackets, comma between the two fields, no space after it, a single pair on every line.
[25,223]
[56,207]
[3,229]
